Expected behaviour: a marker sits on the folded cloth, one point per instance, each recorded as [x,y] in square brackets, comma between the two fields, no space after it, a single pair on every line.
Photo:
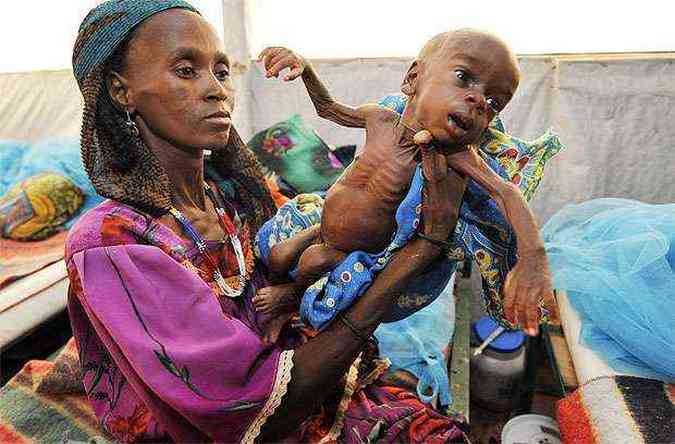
[296,153]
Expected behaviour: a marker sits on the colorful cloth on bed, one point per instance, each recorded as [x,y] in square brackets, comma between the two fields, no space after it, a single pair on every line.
[149,321]
[29,415]
[38,207]
[21,160]
[618,409]
[482,233]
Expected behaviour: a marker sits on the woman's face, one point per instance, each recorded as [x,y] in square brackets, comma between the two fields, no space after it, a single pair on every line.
[178,81]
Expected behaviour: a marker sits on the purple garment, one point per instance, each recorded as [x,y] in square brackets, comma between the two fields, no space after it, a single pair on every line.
[196,365]
[166,357]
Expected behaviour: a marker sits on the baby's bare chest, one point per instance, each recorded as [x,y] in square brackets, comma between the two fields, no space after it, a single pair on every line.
[386,167]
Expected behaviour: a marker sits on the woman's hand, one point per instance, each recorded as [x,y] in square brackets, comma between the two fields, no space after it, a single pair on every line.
[441,195]
[276,58]
[528,289]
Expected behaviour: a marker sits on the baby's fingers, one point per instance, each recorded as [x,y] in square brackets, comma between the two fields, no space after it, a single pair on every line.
[530,313]
[509,300]
[294,73]
[269,57]
[267,53]
[280,63]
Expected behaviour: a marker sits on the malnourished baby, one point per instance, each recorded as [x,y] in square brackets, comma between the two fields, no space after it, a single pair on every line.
[460,81]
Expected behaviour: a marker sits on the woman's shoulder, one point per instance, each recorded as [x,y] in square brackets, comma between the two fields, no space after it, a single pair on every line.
[109,223]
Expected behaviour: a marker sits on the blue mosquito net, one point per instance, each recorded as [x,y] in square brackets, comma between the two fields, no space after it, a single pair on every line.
[616,260]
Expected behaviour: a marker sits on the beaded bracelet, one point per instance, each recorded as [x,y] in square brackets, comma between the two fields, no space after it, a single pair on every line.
[364,338]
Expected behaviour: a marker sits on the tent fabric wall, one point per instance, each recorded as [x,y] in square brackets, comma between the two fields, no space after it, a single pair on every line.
[39,104]
[613,113]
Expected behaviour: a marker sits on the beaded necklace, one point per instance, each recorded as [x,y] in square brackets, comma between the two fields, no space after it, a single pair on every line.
[230,232]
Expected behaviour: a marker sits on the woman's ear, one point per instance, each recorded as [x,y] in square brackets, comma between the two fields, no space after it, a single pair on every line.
[119,92]
[409,85]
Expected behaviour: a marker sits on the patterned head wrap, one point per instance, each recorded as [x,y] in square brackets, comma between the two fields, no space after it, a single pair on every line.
[119,163]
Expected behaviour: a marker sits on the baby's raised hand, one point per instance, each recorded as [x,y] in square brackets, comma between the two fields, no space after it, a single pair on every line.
[276,58]
[528,289]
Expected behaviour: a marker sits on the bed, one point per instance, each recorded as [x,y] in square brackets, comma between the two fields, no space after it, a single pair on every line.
[28,302]
[610,407]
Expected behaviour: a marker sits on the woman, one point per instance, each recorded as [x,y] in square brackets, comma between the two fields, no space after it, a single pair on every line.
[162,274]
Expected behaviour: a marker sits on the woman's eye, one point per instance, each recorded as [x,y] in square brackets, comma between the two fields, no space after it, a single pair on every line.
[461,75]
[494,104]
[185,71]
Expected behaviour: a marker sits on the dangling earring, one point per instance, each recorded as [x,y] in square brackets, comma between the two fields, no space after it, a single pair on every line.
[131,125]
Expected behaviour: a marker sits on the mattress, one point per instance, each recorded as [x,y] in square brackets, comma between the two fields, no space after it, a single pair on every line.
[588,365]
[30,301]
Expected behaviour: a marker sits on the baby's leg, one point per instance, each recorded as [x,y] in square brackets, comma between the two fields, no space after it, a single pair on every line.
[278,302]
[313,263]
[284,255]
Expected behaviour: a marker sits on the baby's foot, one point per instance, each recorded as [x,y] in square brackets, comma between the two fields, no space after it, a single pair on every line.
[276,299]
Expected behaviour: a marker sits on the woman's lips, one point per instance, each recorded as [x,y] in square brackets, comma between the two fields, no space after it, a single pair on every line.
[219,118]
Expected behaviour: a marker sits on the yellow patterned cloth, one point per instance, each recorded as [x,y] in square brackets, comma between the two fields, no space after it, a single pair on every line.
[38,207]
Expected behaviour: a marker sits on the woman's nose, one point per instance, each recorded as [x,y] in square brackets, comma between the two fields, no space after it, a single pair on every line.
[217,90]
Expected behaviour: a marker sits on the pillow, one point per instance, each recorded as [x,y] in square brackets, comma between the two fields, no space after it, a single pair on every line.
[297,154]
[38,207]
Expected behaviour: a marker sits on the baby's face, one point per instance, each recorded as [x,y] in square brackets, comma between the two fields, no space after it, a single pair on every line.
[461,89]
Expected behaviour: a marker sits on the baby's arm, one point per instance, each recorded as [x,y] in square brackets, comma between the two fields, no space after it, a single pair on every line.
[508,197]
[530,281]
[276,59]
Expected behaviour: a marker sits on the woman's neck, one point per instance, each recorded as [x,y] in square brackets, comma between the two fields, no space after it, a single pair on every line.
[185,169]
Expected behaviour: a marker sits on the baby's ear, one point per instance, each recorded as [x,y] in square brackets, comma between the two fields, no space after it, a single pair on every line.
[409,85]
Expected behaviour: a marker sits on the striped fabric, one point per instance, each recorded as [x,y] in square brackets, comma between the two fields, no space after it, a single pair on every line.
[619,409]
[29,416]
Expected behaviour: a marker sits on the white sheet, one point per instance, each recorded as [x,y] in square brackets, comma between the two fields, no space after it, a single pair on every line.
[588,365]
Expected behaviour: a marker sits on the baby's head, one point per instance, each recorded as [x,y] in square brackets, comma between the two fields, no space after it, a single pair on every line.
[458,83]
